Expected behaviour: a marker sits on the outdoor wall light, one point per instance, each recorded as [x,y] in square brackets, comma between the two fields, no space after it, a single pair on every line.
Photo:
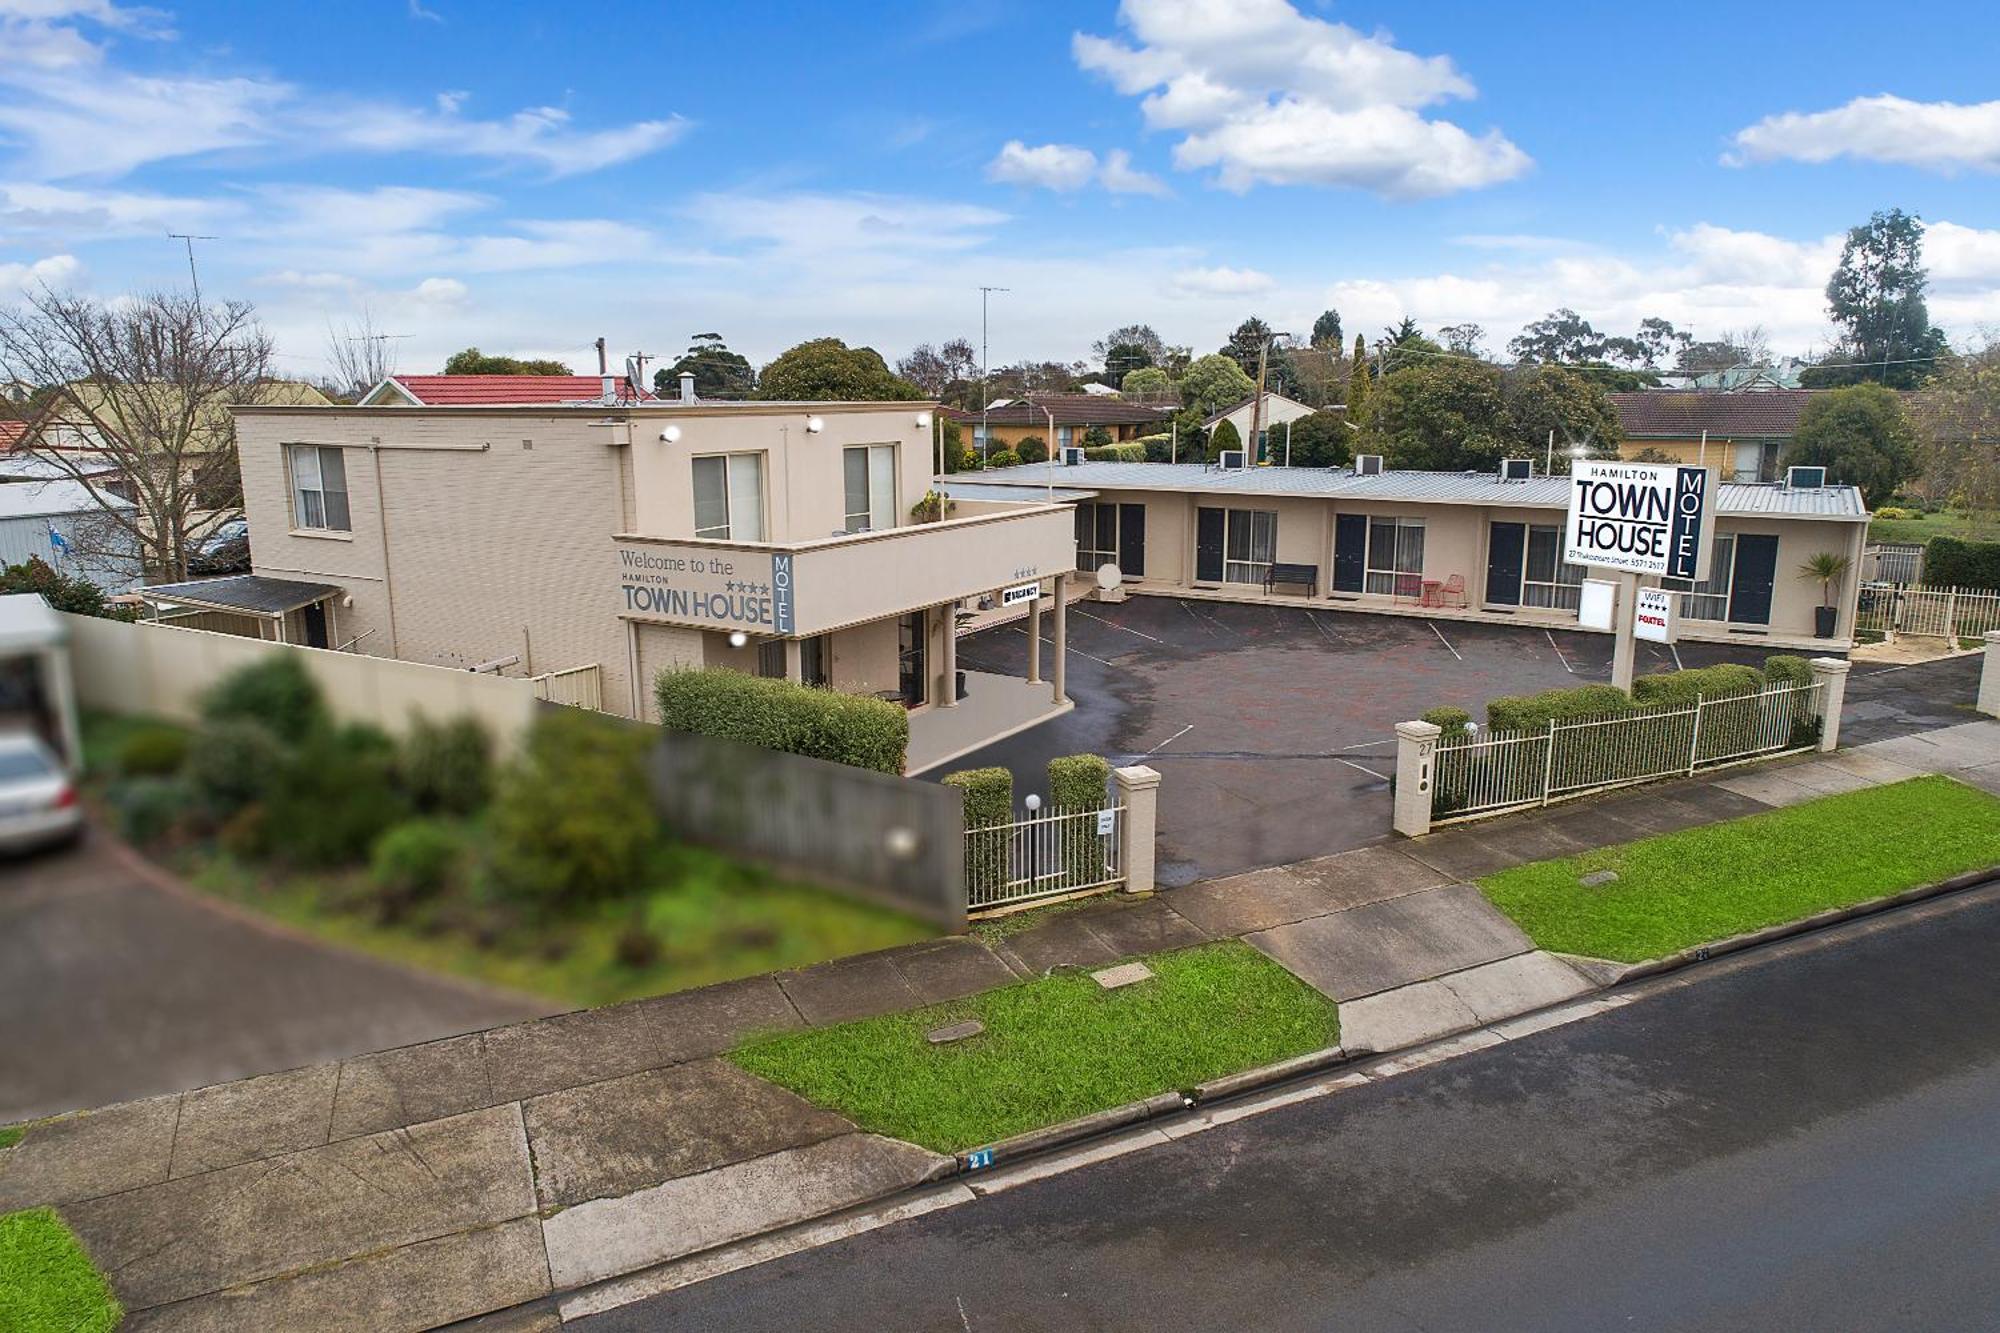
[737,638]
[814,425]
[923,421]
[670,434]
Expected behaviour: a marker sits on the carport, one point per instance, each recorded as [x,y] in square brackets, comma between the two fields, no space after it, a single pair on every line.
[253,606]
[35,684]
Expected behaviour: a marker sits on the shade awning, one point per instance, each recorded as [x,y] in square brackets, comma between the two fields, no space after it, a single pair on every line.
[242,594]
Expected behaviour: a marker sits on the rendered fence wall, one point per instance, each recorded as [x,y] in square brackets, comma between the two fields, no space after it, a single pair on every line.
[893,839]
[162,671]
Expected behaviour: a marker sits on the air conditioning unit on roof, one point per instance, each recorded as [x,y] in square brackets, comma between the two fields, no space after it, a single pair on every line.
[1071,456]
[1230,460]
[1805,478]
[1368,465]
[1516,469]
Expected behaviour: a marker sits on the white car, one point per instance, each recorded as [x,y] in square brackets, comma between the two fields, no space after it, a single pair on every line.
[38,804]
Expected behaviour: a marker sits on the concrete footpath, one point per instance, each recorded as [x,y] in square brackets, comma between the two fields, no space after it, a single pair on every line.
[438,1182]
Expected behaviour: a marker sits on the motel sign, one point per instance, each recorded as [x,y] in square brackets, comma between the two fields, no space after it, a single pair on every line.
[1640,518]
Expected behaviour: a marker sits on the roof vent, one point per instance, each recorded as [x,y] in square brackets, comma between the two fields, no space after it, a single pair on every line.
[687,386]
[1368,465]
[1516,469]
[1805,478]
[609,388]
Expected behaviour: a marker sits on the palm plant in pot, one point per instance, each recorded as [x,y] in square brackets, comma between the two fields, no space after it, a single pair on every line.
[1829,569]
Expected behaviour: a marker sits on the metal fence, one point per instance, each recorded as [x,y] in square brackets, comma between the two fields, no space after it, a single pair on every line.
[579,687]
[1053,854]
[1922,612]
[1573,757]
[1893,562]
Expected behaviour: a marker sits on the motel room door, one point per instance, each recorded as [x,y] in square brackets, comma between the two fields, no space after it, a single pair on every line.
[1507,552]
[1750,583]
[1208,527]
[1132,540]
[1350,552]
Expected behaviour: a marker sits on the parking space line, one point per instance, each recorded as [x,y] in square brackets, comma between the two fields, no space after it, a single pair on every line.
[1324,632]
[1559,653]
[1443,640]
[1209,623]
[1115,625]
[1379,777]
[1168,741]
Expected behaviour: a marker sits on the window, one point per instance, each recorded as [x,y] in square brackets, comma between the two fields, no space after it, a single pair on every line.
[771,659]
[979,440]
[870,474]
[1549,580]
[912,657]
[1396,556]
[1709,599]
[1096,536]
[1065,436]
[1249,545]
[319,489]
[816,660]
[729,497]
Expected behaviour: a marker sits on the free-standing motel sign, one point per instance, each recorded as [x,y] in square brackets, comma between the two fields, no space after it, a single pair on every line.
[1640,518]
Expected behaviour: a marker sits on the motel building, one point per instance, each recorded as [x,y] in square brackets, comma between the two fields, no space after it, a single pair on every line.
[591,544]
[1453,545]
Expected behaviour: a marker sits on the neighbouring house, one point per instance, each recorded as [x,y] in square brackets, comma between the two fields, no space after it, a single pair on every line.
[1741,434]
[1277,410]
[1058,420]
[1786,374]
[60,523]
[504,390]
[1442,544]
[595,544]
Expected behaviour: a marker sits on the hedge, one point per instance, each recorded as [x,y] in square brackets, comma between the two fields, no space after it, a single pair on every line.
[785,715]
[1156,448]
[1130,452]
[1785,669]
[1078,781]
[989,809]
[1450,722]
[1533,712]
[1683,688]
[1950,562]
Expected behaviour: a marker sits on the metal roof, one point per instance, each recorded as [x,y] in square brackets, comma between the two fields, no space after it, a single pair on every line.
[979,490]
[251,594]
[28,622]
[1477,488]
[51,499]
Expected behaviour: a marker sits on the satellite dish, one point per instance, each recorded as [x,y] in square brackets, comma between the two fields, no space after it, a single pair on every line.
[1109,577]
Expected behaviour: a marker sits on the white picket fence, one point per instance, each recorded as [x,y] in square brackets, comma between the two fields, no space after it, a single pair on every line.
[1926,612]
[1507,770]
[1053,854]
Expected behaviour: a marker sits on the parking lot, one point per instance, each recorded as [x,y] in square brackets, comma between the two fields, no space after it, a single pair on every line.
[1273,727]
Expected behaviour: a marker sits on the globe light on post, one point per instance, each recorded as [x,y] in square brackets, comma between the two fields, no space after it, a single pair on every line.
[1033,803]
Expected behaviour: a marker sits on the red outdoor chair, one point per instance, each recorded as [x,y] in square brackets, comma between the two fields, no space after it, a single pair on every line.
[1453,592]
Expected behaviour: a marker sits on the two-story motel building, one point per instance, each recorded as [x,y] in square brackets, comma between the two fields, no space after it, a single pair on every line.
[615,539]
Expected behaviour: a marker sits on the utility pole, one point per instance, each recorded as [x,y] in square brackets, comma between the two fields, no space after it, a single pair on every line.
[189,239]
[640,359]
[1252,456]
[985,440]
[603,358]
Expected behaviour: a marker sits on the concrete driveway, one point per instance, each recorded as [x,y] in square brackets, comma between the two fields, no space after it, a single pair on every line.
[113,988]
[1274,726]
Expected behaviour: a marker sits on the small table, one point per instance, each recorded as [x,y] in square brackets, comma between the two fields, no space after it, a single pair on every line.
[1432,594]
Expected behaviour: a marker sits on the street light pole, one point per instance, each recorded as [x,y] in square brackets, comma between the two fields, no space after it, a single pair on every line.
[985,441]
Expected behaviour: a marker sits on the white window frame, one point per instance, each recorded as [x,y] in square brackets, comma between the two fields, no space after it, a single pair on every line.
[1094,553]
[1385,572]
[877,512]
[1563,591]
[1258,544]
[1709,599]
[315,507]
[1065,437]
[743,514]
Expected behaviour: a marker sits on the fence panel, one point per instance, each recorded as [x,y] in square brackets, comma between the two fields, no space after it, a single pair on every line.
[1893,562]
[1048,855]
[578,687]
[1922,612]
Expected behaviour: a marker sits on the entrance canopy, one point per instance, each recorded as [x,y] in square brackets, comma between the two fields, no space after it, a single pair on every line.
[242,594]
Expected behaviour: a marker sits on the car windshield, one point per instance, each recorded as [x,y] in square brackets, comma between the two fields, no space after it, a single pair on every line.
[17,764]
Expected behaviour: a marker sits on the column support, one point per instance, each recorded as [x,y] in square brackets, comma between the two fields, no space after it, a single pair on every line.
[1989,676]
[1035,638]
[949,611]
[794,661]
[1138,791]
[1830,673]
[1058,674]
[1416,753]
[1622,639]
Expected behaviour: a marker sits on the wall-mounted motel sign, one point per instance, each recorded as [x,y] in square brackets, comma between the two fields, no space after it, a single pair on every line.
[1642,518]
[707,586]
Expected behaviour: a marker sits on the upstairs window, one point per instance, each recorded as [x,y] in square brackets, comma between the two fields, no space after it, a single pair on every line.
[869,474]
[729,497]
[319,489]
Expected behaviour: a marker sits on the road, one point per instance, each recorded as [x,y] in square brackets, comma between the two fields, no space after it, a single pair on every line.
[1802,1138]
[114,988]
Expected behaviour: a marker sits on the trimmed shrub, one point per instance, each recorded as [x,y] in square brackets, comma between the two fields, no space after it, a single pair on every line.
[1897,512]
[785,715]
[1450,722]
[1225,437]
[1533,712]
[1096,437]
[1156,448]
[278,693]
[1004,458]
[1078,781]
[573,820]
[1950,562]
[989,804]
[447,767]
[149,809]
[1131,452]
[234,762]
[970,461]
[1786,669]
[1683,688]
[413,863]
[155,752]
[1031,449]
[334,797]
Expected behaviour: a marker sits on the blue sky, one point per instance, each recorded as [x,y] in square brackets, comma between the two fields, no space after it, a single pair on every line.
[507,176]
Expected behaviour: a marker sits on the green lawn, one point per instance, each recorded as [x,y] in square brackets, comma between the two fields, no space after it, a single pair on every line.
[1963,524]
[47,1281]
[1705,884]
[1054,1048]
[12,1134]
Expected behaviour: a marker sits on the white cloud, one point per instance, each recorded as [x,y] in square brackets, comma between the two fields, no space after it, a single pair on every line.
[1119,176]
[1937,136]
[440,291]
[1222,281]
[844,225]
[1264,94]
[54,271]
[1051,166]
[538,136]
[28,209]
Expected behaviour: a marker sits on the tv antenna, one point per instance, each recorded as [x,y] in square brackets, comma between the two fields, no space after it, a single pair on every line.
[188,239]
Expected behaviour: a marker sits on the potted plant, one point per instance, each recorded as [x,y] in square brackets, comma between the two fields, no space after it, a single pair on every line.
[1829,569]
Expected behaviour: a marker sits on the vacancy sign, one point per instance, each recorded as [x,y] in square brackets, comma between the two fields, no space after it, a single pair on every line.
[1642,518]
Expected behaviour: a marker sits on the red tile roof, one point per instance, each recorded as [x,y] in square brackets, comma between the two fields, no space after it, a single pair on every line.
[1686,413]
[503,390]
[12,433]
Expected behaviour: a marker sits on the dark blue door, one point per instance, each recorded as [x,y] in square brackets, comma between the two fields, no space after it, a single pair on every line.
[1350,552]
[1505,552]
[1208,545]
[1751,582]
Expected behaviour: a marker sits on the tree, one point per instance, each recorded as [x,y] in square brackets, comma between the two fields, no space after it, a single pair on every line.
[1140,336]
[1877,296]
[828,370]
[144,384]
[1214,382]
[1403,344]
[1446,414]
[1249,342]
[1749,347]
[1860,435]
[1463,339]
[1957,420]
[1326,333]
[1096,437]
[1357,382]
[65,592]
[1320,440]
[718,372]
[949,444]
[1561,336]
[1225,436]
[1541,399]
[1148,384]
[361,355]
[472,361]
[1658,342]
[944,373]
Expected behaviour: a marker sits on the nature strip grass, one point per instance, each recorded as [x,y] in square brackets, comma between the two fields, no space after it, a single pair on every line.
[1054,1049]
[47,1281]
[1704,884]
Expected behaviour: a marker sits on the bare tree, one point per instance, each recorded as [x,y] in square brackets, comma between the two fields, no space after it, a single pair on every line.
[362,356]
[137,408]
[1957,415]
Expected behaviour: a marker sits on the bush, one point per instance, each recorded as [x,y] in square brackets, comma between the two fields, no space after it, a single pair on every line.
[970,461]
[413,863]
[1004,458]
[989,804]
[447,767]
[154,752]
[234,762]
[1225,436]
[1533,712]
[1132,452]
[336,794]
[1096,437]
[1898,512]
[279,693]
[784,715]
[149,809]
[1031,449]
[1950,562]
[1078,781]
[1450,722]
[1682,688]
[1785,669]
[1156,448]
[573,820]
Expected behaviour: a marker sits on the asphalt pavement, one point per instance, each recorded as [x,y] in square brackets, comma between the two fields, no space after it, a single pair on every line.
[1798,1138]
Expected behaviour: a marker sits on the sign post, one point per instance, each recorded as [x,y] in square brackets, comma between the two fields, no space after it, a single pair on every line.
[1633,519]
